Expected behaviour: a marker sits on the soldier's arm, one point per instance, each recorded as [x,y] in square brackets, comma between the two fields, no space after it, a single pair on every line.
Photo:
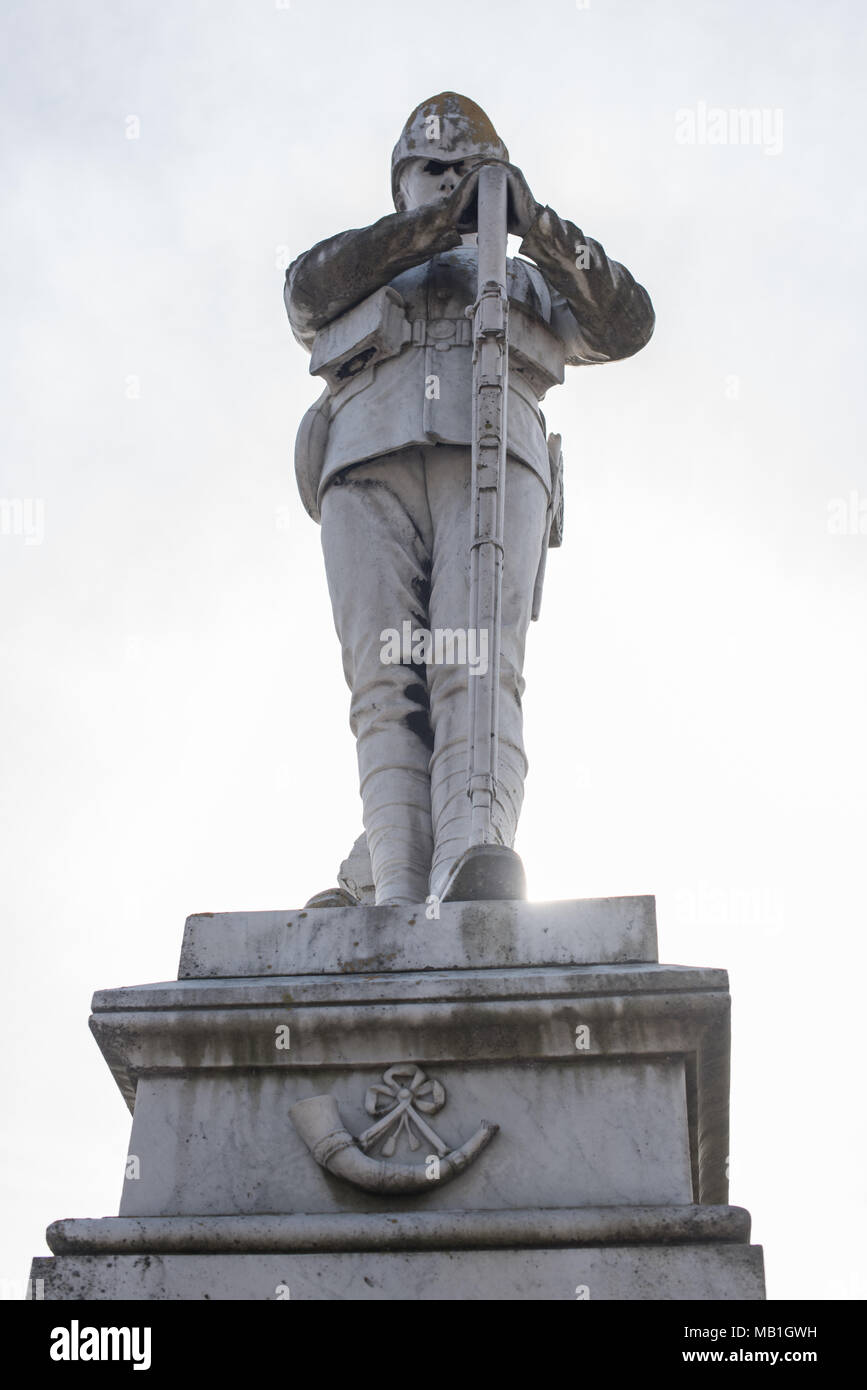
[339,272]
[601,313]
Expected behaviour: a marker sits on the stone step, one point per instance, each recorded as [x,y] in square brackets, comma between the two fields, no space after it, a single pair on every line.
[400,1230]
[672,1273]
[464,936]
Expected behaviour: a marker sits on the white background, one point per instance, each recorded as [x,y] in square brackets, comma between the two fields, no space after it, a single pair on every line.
[173,713]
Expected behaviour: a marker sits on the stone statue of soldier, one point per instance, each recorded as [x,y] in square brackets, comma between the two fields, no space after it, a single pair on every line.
[383,462]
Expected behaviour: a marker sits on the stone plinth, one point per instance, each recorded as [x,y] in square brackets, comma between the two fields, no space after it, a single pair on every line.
[607,1079]
[465,936]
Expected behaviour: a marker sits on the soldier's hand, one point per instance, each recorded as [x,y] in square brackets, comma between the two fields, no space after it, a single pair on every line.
[523,208]
[463,203]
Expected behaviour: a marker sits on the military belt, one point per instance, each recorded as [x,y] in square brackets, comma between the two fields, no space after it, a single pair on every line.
[441,333]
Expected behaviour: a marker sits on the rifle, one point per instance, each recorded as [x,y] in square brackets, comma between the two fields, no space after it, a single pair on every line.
[490,394]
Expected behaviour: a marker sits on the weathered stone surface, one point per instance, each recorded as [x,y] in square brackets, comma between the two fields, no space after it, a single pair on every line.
[355,873]
[627,1273]
[637,1111]
[327,941]
[402,987]
[609,1084]
[571,1133]
[401,1230]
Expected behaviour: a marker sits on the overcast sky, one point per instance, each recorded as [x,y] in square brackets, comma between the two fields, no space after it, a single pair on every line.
[173,712]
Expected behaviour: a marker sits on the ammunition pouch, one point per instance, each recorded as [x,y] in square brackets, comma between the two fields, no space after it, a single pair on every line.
[535,351]
[375,329]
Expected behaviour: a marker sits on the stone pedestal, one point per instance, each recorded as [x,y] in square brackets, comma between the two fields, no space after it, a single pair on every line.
[605,1073]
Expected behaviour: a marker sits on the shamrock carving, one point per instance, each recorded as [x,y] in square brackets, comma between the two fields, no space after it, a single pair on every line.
[395,1104]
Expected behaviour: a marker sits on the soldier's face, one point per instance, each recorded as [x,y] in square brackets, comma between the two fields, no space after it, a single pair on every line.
[429,180]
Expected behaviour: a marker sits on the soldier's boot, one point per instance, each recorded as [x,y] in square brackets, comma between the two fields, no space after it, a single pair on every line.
[486,873]
[333,897]
[354,881]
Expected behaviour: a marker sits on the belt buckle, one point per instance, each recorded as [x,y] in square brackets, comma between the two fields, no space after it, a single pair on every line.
[441,332]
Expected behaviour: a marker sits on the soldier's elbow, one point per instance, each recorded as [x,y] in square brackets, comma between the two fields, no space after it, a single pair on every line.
[634,326]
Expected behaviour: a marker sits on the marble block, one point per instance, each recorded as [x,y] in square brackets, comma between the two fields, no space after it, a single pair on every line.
[358,940]
[680,1273]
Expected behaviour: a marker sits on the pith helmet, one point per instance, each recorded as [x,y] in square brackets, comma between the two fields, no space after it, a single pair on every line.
[447,128]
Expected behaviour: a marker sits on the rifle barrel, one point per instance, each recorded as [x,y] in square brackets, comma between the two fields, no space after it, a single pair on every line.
[490,383]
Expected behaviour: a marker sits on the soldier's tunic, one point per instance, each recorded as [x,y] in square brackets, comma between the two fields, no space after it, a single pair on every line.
[390,482]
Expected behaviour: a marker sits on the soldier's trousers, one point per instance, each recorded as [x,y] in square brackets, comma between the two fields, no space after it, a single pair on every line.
[395,536]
